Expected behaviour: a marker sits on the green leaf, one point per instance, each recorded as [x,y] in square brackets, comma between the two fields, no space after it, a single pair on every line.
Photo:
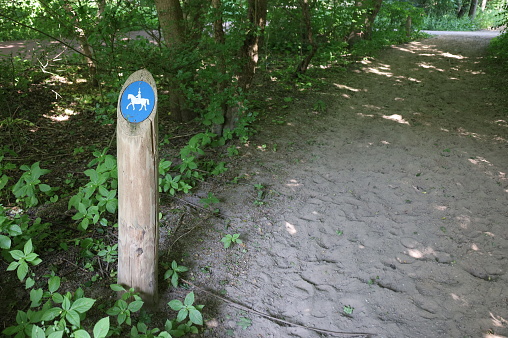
[182,268]
[189,299]
[37,332]
[29,283]
[44,187]
[35,297]
[81,334]
[174,280]
[14,230]
[195,317]
[66,304]
[182,314]
[53,283]
[135,305]
[5,242]
[28,248]
[114,311]
[121,318]
[17,254]
[51,314]
[72,317]
[57,298]
[57,334]
[117,288]
[82,305]
[168,274]
[31,257]
[175,305]
[101,328]
[111,206]
[13,266]
[22,270]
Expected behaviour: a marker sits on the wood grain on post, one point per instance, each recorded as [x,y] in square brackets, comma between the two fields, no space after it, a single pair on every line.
[138,199]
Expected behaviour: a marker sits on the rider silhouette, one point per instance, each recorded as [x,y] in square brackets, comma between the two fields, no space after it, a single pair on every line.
[139,94]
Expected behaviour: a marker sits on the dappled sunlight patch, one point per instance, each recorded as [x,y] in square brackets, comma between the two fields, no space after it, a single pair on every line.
[419,254]
[498,321]
[429,66]
[464,132]
[370,106]
[60,79]
[501,123]
[404,49]
[479,160]
[67,113]
[341,86]
[450,55]
[464,221]
[364,115]
[290,228]
[293,183]
[474,247]
[396,117]
[459,299]
[378,71]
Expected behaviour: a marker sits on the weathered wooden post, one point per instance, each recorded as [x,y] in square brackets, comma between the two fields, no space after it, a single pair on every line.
[138,200]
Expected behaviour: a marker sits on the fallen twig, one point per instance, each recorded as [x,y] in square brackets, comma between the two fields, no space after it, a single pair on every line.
[243,307]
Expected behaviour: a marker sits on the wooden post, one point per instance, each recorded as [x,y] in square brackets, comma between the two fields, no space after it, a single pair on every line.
[138,192]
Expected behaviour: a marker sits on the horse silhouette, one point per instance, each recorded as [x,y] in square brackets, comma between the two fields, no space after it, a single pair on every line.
[137,100]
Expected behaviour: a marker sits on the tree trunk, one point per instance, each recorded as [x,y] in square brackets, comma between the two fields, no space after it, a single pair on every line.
[220,39]
[408,27]
[375,6]
[304,64]
[249,55]
[83,41]
[366,14]
[249,52]
[472,9]
[173,31]
[463,9]
[484,5]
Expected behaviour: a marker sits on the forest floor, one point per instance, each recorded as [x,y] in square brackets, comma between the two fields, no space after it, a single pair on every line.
[386,204]
[377,205]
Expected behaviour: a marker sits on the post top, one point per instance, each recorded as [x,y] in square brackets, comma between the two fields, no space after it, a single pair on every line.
[138,97]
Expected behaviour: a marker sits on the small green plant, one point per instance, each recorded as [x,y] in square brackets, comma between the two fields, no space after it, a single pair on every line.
[244,322]
[260,194]
[187,309]
[122,309]
[174,272]
[348,310]
[230,239]
[21,260]
[98,196]
[29,187]
[209,200]
[169,183]
[319,106]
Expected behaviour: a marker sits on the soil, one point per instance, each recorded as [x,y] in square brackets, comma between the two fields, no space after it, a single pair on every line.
[385,208]
[377,206]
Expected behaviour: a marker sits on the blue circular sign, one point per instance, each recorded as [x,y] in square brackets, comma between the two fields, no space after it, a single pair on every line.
[137,101]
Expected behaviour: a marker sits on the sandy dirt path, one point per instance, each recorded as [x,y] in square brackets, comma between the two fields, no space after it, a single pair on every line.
[386,211]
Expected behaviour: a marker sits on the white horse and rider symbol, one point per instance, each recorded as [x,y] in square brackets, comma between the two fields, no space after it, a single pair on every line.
[137,94]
